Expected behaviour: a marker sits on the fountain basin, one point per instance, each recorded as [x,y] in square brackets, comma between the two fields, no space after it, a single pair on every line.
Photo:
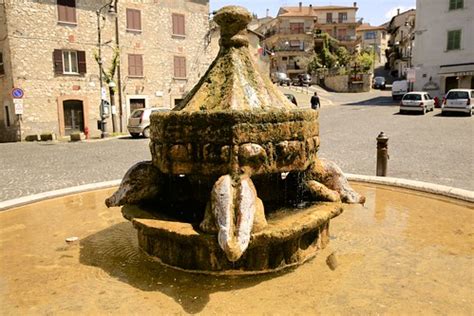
[405,252]
[289,239]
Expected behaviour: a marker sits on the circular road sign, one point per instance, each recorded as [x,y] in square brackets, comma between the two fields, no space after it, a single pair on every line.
[17,93]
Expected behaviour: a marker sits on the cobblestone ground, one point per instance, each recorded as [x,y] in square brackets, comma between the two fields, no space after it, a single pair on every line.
[30,168]
[429,148]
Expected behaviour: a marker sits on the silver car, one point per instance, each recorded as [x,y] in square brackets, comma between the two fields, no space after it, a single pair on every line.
[139,121]
[458,100]
[417,102]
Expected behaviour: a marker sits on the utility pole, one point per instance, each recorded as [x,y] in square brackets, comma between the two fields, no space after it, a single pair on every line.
[119,73]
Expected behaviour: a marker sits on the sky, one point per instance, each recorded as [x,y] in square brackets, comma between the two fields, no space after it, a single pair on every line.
[375,12]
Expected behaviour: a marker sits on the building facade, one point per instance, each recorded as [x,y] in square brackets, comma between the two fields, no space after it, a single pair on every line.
[50,49]
[291,36]
[444,52]
[401,43]
[373,39]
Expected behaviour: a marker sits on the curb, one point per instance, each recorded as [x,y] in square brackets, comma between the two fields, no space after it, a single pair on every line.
[427,187]
[460,194]
[6,205]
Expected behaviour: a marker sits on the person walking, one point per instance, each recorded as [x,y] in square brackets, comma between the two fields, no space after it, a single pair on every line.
[315,102]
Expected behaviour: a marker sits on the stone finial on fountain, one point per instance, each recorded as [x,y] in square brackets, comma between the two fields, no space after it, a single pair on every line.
[232,82]
[233,21]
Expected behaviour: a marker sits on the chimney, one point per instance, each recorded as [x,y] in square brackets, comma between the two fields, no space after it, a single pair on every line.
[310,9]
[398,11]
[355,4]
[268,12]
[301,6]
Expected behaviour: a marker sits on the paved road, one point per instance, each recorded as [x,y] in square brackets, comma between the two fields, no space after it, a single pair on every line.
[429,148]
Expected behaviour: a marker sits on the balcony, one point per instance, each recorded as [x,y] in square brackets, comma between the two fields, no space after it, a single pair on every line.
[288,31]
[336,21]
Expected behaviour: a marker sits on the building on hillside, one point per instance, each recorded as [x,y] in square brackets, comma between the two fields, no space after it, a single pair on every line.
[48,50]
[401,42]
[292,35]
[373,39]
[444,53]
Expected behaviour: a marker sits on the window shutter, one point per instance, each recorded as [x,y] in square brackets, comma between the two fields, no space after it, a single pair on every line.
[62,13]
[67,10]
[138,20]
[139,65]
[131,65]
[129,20]
[181,25]
[179,67]
[58,61]
[81,62]
[175,23]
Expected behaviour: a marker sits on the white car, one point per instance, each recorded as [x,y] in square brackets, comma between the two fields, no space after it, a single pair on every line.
[417,102]
[458,100]
[139,121]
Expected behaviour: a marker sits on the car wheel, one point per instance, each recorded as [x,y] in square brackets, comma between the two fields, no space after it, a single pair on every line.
[470,113]
[146,132]
[424,110]
[402,112]
[135,135]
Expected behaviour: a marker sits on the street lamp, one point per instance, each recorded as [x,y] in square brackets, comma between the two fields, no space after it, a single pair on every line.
[103,111]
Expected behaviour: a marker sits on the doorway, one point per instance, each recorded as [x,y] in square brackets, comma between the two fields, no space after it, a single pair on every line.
[451,83]
[136,104]
[73,116]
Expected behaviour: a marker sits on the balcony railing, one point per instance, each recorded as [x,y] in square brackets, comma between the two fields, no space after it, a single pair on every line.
[337,21]
[288,31]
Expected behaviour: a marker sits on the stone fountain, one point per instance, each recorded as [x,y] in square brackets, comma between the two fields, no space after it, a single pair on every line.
[235,184]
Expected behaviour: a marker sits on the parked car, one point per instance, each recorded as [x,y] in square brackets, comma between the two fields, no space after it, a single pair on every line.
[416,102]
[458,100]
[280,78]
[302,80]
[379,83]
[292,98]
[139,121]
[399,88]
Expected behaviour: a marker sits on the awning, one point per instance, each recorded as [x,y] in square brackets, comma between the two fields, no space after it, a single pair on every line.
[466,69]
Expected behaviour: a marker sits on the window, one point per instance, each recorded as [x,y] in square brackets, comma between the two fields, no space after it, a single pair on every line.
[69,62]
[2,68]
[178,24]
[179,67]
[369,35]
[70,65]
[134,22]
[342,17]
[329,17]
[67,11]
[456,4]
[135,65]
[454,40]
[296,28]
[8,122]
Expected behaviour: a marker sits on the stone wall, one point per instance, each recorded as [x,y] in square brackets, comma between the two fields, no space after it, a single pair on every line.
[34,33]
[343,83]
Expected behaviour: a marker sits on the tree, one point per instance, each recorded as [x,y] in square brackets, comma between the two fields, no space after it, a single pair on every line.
[109,75]
[343,56]
[365,61]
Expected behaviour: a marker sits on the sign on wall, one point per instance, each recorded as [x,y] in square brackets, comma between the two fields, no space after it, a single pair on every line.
[18,106]
[17,93]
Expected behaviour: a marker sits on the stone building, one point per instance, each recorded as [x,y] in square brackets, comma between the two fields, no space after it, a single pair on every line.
[401,42]
[292,35]
[373,38]
[444,52]
[48,50]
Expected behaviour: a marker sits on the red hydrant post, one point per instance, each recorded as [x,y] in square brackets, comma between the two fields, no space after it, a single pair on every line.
[382,154]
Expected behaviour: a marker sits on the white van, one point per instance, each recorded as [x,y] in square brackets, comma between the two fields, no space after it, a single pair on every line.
[399,88]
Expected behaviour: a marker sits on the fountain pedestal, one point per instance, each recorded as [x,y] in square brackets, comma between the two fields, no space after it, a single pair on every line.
[289,239]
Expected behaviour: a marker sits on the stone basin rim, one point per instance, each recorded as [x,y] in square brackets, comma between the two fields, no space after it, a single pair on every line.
[421,186]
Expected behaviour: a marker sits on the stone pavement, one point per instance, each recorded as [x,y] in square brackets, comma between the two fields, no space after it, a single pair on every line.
[429,148]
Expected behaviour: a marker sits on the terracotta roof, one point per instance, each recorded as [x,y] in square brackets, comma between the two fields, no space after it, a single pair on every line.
[305,11]
[368,27]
